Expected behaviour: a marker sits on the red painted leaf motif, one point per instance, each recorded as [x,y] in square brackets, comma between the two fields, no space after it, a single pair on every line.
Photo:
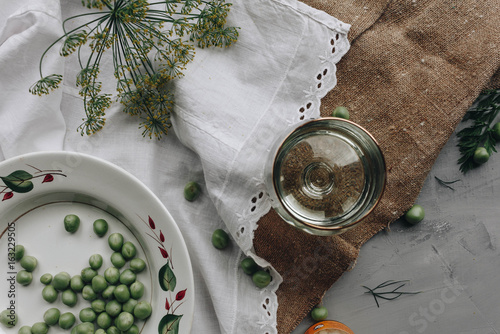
[163,252]
[151,223]
[48,178]
[180,295]
[8,195]
[162,238]
[167,305]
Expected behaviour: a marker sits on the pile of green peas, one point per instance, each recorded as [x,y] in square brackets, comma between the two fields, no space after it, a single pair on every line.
[27,262]
[114,295]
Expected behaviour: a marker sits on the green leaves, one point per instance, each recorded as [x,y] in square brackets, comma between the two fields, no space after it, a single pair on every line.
[166,278]
[480,132]
[169,324]
[18,181]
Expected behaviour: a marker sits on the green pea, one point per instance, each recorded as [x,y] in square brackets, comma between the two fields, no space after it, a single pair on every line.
[132,330]
[100,331]
[69,297]
[18,252]
[137,265]
[98,305]
[481,155]
[136,290]
[24,330]
[127,277]
[319,313]
[71,223]
[112,275]
[249,266]
[88,293]
[49,294]
[129,305]
[113,308]
[113,330]
[341,112]
[39,328]
[61,281]
[46,279]
[142,310]
[108,293]
[8,318]
[24,277]
[192,191]
[115,241]
[104,320]
[85,328]
[220,239]
[87,274]
[128,250]
[67,320]
[87,315]
[415,215]
[261,278]
[124,321]
[100,227]
[122,293]
[76,283]
[99,284]
[496,131]
[118,260]
[95,261]
[28,263]
[51,316]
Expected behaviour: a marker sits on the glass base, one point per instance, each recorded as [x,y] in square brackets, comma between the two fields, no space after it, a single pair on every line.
[326,175]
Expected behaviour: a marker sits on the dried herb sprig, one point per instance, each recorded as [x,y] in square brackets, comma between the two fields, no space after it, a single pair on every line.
[380,290]
[480,132]
[151,44]
[446,184]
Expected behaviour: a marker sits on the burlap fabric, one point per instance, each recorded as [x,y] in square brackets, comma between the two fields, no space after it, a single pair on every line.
[413,70]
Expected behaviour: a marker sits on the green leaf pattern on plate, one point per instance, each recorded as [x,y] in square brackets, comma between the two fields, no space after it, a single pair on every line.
[18,181]
[169,324]
[167,278]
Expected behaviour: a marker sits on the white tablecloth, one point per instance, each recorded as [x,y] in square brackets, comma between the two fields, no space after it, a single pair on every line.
[230,106]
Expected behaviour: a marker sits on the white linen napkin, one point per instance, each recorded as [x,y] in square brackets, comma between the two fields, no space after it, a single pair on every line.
[230,106]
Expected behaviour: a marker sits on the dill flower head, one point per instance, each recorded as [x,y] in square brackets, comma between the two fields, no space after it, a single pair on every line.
[150,44]
[46,85]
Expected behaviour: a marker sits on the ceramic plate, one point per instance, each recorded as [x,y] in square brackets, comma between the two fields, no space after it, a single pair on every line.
[38,190]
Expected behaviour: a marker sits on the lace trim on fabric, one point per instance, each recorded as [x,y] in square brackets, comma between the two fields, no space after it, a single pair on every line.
[259,204]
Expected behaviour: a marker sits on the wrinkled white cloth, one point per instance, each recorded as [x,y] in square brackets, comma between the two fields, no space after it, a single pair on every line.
[230,106]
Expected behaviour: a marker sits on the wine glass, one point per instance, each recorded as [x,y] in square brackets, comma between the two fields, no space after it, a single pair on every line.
[326,175]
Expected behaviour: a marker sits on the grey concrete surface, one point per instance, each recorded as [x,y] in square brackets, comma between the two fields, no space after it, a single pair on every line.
[451,257]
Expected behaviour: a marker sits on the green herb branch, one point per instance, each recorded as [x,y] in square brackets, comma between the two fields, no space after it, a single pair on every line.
[390,293]
[477,141]
[151,44]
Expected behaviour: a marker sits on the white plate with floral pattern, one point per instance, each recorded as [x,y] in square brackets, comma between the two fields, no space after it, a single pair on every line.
[38,190]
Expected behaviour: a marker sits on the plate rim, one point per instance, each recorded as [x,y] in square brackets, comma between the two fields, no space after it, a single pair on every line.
[135,182]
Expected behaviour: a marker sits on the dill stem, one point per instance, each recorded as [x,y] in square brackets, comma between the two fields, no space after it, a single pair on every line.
[76,17]
[58,40]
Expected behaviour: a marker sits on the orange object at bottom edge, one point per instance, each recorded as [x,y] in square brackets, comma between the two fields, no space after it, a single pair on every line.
[329,327]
